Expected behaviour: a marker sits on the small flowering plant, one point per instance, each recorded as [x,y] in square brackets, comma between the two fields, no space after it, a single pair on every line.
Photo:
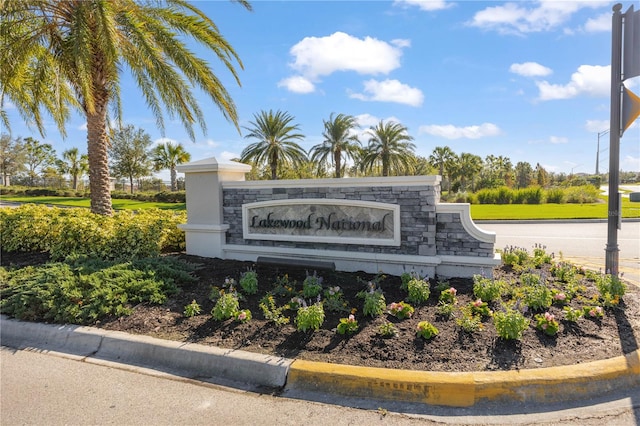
[348,325]
[426,330]
[374,301]
[572,314]
[310,317]
[448,295]
[547,323]
[334,300]
[560,297]
[192,309]
[478,307]
[312,285]
[594,312]
[400,310]
[387,330]
[243,316]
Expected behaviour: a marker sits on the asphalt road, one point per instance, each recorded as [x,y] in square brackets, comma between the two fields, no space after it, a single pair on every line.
[581,242]
[52,389]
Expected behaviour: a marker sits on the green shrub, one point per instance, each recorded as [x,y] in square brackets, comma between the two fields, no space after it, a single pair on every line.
[374,301]
[582,194]
[426,330]
[83,290]
[64,232]
[310,317]
[510,324]
[555,196]
[488,289]
[312,286]
[249,282]
[227,306]
[419,290]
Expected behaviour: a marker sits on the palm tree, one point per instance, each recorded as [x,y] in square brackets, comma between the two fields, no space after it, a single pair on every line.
[81,48]
[276,135]
[389,148]
[443,159]
[73,164]
[168,156]
[469,165]
[339,141]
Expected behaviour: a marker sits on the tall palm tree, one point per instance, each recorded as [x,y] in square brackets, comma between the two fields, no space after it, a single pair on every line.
[276,136]
[84,46]
[443,159]
[469,165]
[169,156]
[339,141]
[389,148]
[74,164]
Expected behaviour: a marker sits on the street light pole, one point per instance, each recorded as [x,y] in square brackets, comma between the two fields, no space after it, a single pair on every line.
[612,251]
[602,133]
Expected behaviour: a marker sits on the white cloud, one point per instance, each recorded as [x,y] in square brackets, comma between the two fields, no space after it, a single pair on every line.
[321,56]
[83,126]
[228,156]
[449,131]
[211,143]
[597,126]
[530,69]
[598,24]
[366,120]
[297,84]
[558,139]
[591,80]
[630,163]
[390,91]
[427,5]
[401,42]
[518,18]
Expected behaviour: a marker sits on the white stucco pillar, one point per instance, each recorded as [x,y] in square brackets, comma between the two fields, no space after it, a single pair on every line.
[205,230]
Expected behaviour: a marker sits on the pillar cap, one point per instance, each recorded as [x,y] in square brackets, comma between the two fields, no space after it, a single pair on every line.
[213,165]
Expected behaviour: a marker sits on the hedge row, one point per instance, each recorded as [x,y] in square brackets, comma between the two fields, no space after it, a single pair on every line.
[158,197]
[64,232]
[530,195]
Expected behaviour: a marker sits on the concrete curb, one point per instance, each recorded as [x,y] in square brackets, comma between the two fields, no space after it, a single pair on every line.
[189,359]
[455,389]
[544,385]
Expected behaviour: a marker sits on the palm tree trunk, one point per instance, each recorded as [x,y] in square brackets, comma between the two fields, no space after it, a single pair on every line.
[338,165]
[97,142]
[174,179]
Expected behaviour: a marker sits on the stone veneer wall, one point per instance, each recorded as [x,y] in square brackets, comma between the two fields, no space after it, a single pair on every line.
[424,232]
[453,239]
[417,214]
[435,238]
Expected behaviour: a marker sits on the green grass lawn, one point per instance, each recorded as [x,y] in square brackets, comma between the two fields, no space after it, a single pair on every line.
[478,211]
[550,211]
[118,204]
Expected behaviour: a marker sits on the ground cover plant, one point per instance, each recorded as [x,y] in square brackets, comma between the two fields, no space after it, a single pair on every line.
[478,324]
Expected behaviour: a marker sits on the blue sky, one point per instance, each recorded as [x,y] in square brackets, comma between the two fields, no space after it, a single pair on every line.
[526,80]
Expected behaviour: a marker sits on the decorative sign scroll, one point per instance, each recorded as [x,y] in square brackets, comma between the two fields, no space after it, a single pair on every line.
[323,221]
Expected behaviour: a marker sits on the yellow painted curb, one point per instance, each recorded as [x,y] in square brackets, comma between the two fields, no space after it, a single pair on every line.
[464,389]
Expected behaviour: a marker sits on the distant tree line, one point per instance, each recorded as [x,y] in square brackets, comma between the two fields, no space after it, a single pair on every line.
[385,149]
[30,162]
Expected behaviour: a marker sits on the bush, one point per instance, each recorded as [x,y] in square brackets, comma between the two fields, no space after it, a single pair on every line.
[555,196]
[510,324]
[82,290]
[63,232]
[582,194]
